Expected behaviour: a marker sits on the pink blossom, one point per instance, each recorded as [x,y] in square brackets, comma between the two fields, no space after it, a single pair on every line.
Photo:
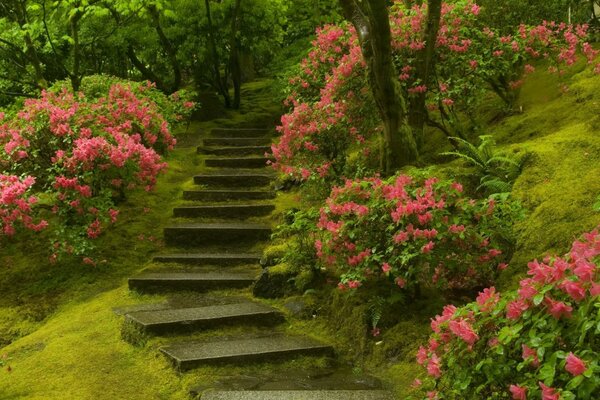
[518,392]
[386,267]
[434,366]
[574,365]
[529,352]
[548,393]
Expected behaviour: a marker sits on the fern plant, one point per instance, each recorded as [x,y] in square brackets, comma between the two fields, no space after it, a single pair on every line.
[496,171]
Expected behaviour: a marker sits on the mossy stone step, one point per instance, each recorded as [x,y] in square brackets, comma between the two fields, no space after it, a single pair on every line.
[214,233]
[224,211]
[222,259]
[224,195]
[188,319]
[240,132]
[186,356]
[236,141]
[234,178]
[199,281]
[234,151]
[237,162]
[299,395]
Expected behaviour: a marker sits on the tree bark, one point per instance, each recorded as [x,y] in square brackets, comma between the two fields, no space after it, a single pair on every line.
[221,86]
[146,72]
[30,49]
[371,20]
[424,67]
[168,48]
[75,75]
[234,56]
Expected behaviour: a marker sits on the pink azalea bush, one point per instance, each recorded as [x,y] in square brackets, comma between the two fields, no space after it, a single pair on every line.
[332,112]
[413,232]
[80,157]
[539,341]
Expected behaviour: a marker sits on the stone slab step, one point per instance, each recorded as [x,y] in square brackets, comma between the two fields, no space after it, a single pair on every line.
[186,356]
[240,132]
[237,162]
[199,281]
[234,151]
[235,178]
[223,195]
[224,211]
[237,141]
[299,395]
[214,233]
[223,259]
[187,319]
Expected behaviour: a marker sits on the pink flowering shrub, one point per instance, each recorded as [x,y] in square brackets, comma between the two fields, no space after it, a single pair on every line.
[332,112]
[539,341]
[16,205]
[81,156]
[413,232]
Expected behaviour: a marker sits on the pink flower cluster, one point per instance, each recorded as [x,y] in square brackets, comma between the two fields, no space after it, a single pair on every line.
[16,205]
[517,330]
[370,227]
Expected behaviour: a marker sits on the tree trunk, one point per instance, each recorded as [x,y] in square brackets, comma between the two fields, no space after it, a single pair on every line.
[371,20]
[221,86]
[234,56]
[146,72]
[30,49]
[168,48]
[76,51]
[424,67]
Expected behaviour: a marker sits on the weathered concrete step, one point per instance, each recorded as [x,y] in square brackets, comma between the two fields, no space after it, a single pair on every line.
[187,319]
[237,162]
[299,395]
[190,355]
[240,132]
[236,141]
[234,178]
[199,234]
[200,281]
[224,211]
[209,259]
[234,151]
[223,195]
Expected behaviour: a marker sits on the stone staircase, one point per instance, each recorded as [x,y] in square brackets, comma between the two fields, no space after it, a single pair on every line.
[217,241]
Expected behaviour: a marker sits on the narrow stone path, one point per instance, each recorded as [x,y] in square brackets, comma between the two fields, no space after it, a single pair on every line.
[217,243]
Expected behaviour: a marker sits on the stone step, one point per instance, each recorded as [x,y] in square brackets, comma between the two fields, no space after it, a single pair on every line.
[223,195]
[198,281]
[234,178]
[222,259]
[240,132]
[187,319]
[236,141]
[224,211]
[234,151]
[237,162]
[186,356]
[299,395]
[214,233]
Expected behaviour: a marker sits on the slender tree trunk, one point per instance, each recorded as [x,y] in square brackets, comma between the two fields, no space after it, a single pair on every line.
[168,48]
[371,20]
[220,84]
[234,57]
[30,49]
[75,75]
[424,67]
[146,72]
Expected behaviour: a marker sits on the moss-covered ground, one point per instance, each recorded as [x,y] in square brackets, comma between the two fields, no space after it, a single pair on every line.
[62,338]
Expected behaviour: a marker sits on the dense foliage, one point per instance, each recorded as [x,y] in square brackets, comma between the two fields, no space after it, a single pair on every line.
[332,111]
[537,341]
[69,158]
